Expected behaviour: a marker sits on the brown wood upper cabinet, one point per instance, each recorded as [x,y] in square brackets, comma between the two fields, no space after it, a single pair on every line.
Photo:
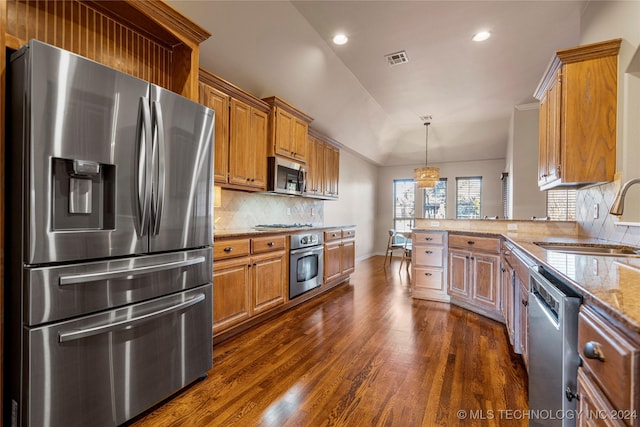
[288,128]
[241,124]
[578,108]
[323,166]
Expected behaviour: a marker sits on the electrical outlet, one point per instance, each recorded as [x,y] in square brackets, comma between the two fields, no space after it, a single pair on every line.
[313,212]
[288,211]
[512,227]
[596,211]
[435,224]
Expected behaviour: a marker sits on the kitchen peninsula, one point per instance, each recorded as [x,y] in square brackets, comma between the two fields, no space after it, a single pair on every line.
[608,325]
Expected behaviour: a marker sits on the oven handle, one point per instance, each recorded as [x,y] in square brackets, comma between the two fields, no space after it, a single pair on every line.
[127,323]
[306,251]
[125,273]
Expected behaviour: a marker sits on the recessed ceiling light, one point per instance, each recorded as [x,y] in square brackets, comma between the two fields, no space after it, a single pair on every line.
[481,36]
[340,39]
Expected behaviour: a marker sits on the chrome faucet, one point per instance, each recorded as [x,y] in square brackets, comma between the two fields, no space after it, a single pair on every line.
[618,203]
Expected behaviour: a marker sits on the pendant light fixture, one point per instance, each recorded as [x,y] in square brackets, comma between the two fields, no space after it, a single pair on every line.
[426,177]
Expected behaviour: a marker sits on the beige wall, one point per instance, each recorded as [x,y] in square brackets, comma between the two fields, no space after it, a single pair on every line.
[357,202]
[526,200]
[604,20]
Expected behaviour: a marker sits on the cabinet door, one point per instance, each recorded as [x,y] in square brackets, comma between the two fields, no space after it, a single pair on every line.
[318,164]
[258,149]
[331,170]
[507,301]
[231,292]
[554,98]
[348,261]
[593,406]
[219,102]
[524,321]
[543,137]
[459,273]
[283,132]
[332,260]
[240,155]
[315,165]
[486,284]
[268,278]
[299,141]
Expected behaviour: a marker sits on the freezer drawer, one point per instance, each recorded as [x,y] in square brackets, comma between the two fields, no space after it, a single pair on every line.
[104,369]
[62,292]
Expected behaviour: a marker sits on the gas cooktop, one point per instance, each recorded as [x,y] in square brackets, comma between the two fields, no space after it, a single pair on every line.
[263,226]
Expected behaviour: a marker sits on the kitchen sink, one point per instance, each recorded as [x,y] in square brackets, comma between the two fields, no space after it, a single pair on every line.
[591,249]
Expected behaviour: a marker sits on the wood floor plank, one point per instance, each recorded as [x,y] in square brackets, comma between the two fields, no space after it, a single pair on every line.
[364,353]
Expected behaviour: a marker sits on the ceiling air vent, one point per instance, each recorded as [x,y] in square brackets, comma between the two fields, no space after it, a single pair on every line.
[397,58]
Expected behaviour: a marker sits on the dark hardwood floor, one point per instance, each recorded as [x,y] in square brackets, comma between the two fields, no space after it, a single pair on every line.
[365,353]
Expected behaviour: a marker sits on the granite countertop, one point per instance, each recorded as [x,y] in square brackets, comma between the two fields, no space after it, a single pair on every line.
[610,284]
[251,231]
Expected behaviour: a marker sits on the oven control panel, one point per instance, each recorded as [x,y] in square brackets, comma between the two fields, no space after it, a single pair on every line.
[306,240]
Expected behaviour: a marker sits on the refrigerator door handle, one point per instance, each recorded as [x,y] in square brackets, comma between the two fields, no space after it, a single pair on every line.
[127,323]
[159,144]
[74,279]
[143,172]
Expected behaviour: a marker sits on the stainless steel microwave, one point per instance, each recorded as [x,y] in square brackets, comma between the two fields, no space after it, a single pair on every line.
[285,176]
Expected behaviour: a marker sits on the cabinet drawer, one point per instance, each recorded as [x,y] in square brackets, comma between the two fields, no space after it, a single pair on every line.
[613,371]
[335,234]
[429,256]
[490,244]
[348,233]
[429,278]
[224,249]
[428,237]
[267,244]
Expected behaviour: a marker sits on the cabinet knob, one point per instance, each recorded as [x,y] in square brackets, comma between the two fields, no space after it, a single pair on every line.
[428,252]
[333,235]
[506,253]
[525,302]
[428,238]
[593,350]
[471,242]
[504,270]
[428,274]
[228,249]
[570,394]
[270,244]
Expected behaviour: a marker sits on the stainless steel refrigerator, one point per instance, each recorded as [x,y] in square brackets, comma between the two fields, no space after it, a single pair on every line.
[109,251]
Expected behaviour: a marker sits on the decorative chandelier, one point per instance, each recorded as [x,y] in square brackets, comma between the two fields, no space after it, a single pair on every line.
[426,177]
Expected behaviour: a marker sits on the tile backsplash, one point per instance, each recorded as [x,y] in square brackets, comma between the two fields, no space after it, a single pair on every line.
[241,210]
[605,226]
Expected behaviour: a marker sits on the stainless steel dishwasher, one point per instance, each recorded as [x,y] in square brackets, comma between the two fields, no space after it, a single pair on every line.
[553,353]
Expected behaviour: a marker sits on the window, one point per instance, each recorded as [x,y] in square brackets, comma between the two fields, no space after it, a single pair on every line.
[561,204]
[404,205]
[468,197]
[435,200]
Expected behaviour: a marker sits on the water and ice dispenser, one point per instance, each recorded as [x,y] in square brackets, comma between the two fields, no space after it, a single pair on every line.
[83,195]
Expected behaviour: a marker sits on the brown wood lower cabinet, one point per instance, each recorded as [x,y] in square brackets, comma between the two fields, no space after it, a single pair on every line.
[607,382]
[339,254]
[474,280]
[247,282]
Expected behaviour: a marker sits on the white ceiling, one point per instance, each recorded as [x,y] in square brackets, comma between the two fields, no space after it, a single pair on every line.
[284,48]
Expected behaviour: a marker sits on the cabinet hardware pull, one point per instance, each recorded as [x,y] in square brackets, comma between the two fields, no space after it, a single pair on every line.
[525,302]
[428,252]
[334,235]
[270,244]
[571,395]
[471,242]
[503,270]
[428,238]
[228,249]
[428,274]
[506,253]
[593,350]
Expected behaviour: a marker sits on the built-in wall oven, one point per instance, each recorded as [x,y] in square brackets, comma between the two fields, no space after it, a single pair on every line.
[306,264]
[553,353]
